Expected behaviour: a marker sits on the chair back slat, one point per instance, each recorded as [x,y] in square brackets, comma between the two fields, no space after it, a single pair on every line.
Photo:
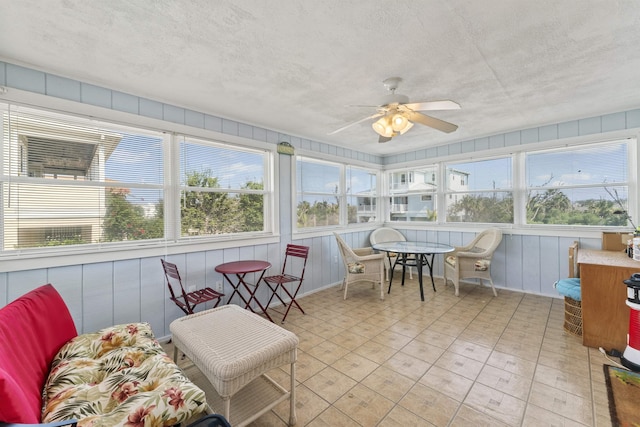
[173,279]
[299,252]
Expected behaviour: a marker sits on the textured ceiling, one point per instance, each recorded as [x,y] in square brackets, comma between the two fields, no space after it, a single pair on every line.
[299,67]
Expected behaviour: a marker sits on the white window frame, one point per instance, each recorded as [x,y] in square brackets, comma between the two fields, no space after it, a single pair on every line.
[342,194]
[630,183]
[266,192]
[450,194]
[171,243]
[519,188]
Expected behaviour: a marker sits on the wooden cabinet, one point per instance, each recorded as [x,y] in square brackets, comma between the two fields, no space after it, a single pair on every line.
[605,316]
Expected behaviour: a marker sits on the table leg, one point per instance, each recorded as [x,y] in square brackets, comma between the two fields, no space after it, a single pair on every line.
[235,288]
[419,266]
[393,269]
[253,297]
[292,396]
[404,267]
[431,270]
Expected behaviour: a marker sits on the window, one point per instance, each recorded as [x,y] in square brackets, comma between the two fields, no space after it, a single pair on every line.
[318,198]
[222,189]
[413,201]
[480,191]
[334,194]
[361,195]
[575,186]
[74,181]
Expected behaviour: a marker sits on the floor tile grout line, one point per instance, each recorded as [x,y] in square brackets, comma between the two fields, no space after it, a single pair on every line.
[519,313]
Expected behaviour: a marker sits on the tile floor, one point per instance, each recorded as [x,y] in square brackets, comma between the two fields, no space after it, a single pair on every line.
[476,360]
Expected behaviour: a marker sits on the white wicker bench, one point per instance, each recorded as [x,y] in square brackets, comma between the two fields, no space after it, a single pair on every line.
[234,348]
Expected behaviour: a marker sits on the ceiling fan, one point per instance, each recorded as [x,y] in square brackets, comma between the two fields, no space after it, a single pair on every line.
[397,115]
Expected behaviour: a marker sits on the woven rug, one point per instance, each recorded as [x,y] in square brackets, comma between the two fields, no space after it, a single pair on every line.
[623,388]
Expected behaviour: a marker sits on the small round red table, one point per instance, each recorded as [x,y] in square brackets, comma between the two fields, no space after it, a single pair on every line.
[241,269]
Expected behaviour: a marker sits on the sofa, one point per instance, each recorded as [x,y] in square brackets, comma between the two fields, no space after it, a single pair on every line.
[117,376]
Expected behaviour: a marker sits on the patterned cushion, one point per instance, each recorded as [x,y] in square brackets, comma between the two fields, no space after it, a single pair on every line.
[356,267]
[479,265]
[119,376]
[482,265]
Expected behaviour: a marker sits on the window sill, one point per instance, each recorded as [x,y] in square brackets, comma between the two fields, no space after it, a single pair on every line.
[18,261]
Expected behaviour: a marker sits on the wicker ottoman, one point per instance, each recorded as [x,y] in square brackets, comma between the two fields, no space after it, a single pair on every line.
[234,348]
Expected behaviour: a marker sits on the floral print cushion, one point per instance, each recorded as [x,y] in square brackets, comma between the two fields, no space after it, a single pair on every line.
[119,376]
[356,267]
[479,265]
[482,265]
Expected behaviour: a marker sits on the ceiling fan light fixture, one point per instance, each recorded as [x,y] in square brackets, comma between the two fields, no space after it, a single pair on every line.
[400,123]
[383,127]
[407,127]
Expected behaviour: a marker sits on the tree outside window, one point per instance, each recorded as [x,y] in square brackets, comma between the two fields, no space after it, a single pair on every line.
[480,191]
[578,186]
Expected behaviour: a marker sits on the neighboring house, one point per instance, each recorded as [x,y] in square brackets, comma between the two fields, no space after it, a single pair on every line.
[367,208]
[40,153]
[413,193]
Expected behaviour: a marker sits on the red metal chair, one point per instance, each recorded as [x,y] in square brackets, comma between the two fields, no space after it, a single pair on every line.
[187,301]
[278,281]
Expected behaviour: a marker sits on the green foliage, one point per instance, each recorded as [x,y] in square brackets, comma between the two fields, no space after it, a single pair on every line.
[219,212]
[252,207]
[553,207]
[543,207]
[321,213]
[76,240]
[201,212]
[482,208]
[124,220]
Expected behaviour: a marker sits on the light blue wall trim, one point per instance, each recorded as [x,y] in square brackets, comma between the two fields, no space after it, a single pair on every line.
[101,97]
[588,126]
[18,77]
[3,74]
[25,79]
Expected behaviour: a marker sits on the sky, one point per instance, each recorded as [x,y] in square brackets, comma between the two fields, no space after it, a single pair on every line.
[234,168]
[138,159]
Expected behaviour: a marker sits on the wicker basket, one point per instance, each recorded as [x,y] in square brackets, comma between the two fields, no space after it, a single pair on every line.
[573,316]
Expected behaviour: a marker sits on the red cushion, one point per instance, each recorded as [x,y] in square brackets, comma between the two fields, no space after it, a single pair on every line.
[32,330]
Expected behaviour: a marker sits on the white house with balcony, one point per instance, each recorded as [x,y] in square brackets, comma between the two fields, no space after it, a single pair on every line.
[37,212]
[413,192]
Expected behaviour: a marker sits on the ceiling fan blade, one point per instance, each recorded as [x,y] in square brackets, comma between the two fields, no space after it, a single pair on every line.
[373,116]
[384,139]
[432,122]
[433,105]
